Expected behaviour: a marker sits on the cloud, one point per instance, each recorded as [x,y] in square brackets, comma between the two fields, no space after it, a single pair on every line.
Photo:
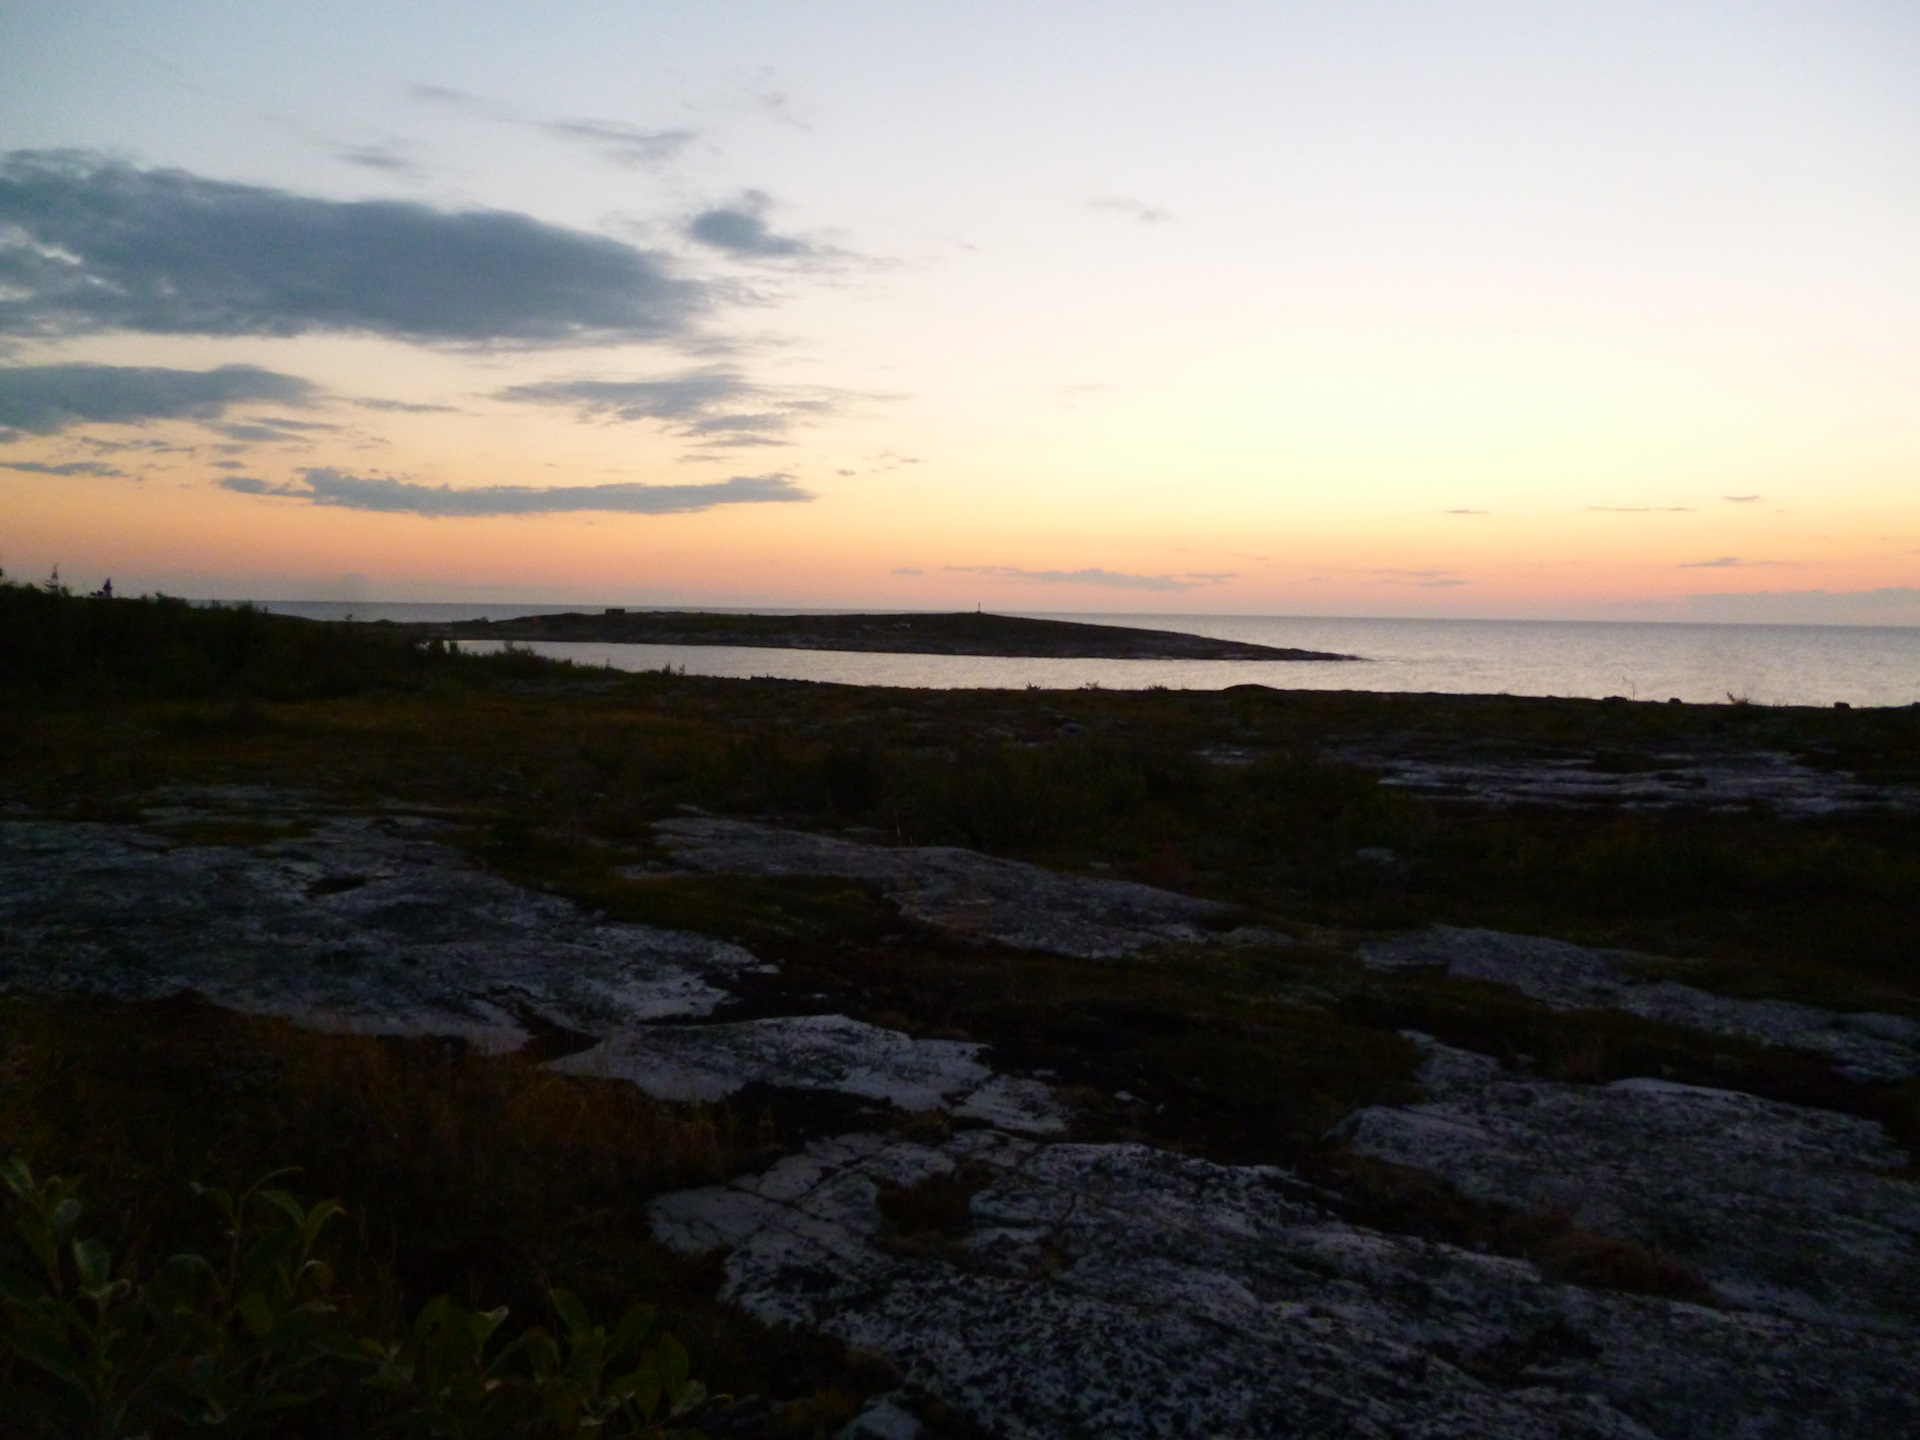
[324,486]
[1742,499]
[45,399]
[628,146]
[1640,509]
[1113,579]
[717,406]
[1430,579]
[89,244]
[72,467]
[269,429]
[740,229]
[909,570]
[1722,563]
[1466,512]
[404,407]
[1132,209]
[632,147]
[385,158]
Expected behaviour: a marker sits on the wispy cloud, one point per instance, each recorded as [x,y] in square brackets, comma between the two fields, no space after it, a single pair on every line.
[631,147]
[89,244]
[45,399]
[1742,499]
[1640,509]
[716,406]
[1722,563]
[1430,579]
[329,487]
[72,467]
[1094,575]
[405,407]
[1130,208]
[1466,512]
[388,159]
[908,570]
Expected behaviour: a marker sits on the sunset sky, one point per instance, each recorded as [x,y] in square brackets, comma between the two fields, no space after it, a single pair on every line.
[1547,309]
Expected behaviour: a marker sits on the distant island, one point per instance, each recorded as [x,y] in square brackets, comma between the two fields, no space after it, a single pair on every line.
[966,633]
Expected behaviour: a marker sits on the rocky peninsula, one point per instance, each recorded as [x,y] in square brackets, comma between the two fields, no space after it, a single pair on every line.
[965,633]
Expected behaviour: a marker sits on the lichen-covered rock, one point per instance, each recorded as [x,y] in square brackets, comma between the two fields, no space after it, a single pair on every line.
[1763,779]
[1016,904]
[1862,1046]
[1102,1290]
[363,924]
[818,1052]
[1785,1209]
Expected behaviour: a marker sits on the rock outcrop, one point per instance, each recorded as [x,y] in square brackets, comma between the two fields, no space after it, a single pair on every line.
[1101,1290]
[1863,1046]
[1025,906]
[361,924]
[1786,1210]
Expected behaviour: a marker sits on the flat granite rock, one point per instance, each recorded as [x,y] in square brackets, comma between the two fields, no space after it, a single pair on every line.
[1104,1290]
[1766,780]
[1863,1046]
[1785,1209]
[1021,905]
[364,924]
[819,1052]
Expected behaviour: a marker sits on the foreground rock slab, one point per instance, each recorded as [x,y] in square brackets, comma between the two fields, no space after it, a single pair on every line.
[1102,1290]
[1785,1209]
[1862,1046]
[362,924]
[1021,905]
[819,1052]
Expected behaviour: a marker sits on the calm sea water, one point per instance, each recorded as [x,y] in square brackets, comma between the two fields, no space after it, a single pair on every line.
[1767,664]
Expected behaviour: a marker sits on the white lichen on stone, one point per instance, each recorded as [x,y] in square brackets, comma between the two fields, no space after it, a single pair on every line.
[1862,1046]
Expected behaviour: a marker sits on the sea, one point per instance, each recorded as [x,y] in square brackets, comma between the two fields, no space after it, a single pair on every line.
[1701,664]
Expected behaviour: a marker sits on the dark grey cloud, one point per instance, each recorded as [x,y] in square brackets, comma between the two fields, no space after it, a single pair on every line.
[741,230]
[89,244]
[72,467]
[716,406]
[1094,575]
[322,486]
[45,399]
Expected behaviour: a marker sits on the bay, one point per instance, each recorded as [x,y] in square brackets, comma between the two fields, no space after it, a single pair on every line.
[1700,664]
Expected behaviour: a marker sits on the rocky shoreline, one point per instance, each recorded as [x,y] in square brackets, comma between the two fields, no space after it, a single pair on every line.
[963,633]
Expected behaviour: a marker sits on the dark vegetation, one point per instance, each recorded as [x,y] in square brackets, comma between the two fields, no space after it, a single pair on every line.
[964,633]
[492,1181]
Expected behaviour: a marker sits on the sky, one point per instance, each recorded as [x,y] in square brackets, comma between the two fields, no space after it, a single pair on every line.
[1547,309]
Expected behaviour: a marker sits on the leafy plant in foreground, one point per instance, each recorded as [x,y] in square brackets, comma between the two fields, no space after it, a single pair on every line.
[234,1342]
